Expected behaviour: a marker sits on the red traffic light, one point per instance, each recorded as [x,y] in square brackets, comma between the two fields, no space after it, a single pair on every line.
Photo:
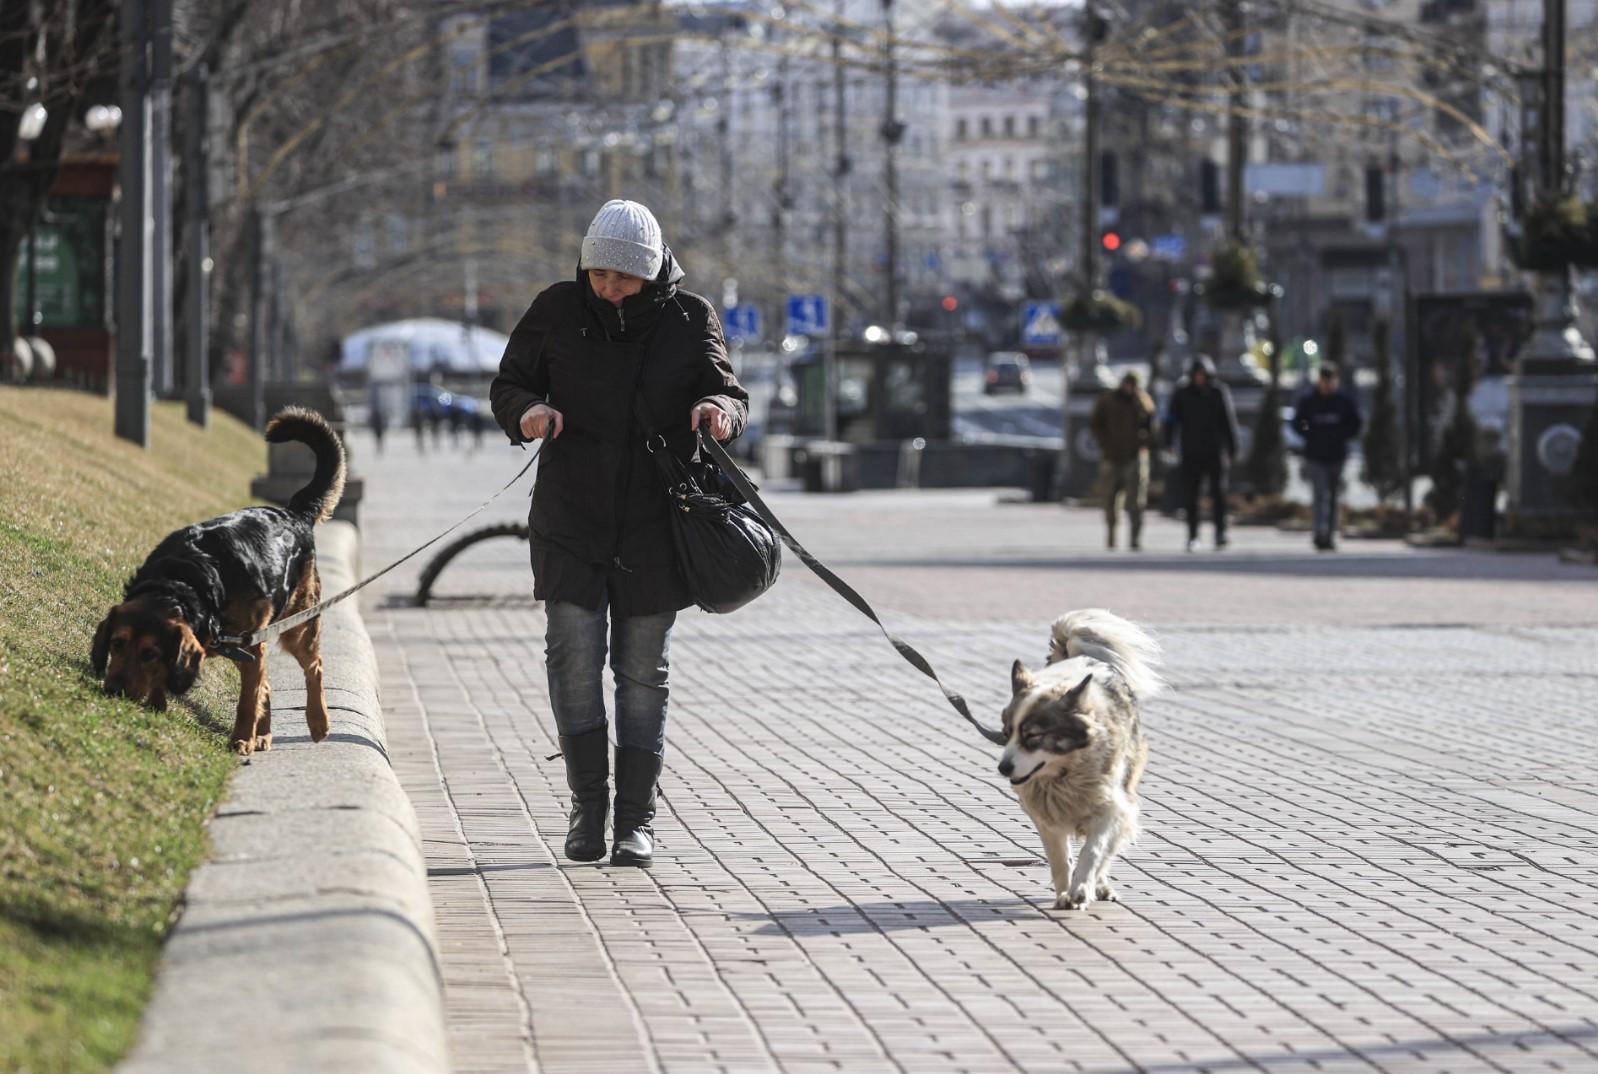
[1112,241]
[950,303]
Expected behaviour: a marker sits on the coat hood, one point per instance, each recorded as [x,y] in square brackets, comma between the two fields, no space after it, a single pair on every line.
[637,313]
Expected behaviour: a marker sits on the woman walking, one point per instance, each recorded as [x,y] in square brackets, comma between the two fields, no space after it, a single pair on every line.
[585,358]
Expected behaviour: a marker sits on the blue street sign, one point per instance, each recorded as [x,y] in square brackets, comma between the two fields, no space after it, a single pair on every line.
[743,322]
[1040,324]
[807,315]
[1169,247]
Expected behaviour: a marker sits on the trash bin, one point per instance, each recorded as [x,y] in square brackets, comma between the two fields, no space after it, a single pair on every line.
[1040,476]
[808,467]
[1478,515]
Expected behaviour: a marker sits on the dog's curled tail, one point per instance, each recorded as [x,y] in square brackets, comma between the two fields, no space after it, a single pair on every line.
[1105,636]
[317,500]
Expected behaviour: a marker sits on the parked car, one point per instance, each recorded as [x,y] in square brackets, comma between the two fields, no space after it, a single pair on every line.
[1006,371]
[437,408]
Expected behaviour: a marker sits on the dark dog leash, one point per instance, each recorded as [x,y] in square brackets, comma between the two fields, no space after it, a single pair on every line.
[839,586]
[233,646]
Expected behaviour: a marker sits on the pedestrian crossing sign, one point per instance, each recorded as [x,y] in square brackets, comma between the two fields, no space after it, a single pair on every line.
[1040,324]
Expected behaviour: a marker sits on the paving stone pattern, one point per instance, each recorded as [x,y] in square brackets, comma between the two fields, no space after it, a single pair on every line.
[1367,847]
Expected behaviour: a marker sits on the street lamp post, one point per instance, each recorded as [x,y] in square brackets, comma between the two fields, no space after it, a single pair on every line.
[1093,31]
[197,374]
[892,133]
[132,417]
[840,225]
[1555,382]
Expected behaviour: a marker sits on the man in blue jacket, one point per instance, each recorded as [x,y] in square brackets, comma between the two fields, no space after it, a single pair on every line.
[1327,418]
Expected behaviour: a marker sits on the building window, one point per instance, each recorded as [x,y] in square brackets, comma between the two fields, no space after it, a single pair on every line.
[1009,126]
[1034,126]
[987,221]
[987,127]
[960,128]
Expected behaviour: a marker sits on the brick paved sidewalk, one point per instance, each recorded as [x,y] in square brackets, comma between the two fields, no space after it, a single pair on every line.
[1367,848]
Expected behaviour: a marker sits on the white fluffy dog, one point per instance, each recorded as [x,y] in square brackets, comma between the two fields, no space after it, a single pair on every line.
[1075,748]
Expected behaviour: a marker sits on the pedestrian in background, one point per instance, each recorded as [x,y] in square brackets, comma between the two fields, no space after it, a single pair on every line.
[586,356]
[1201,424]
[1123,426]
[1328,419]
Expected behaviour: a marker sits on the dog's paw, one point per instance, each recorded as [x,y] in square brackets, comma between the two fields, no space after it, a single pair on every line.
[317,727]
[1077,898]
[263,743]
[1106,893]
[243,746]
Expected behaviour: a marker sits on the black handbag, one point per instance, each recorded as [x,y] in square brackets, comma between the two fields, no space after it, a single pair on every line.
[727,553]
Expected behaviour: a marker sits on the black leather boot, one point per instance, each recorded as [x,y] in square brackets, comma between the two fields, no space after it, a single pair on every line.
[637,773]
[587,759]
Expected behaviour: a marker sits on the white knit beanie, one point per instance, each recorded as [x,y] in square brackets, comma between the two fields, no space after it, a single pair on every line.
[624,237]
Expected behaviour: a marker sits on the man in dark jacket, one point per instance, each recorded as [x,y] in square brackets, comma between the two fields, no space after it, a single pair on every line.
[588,355]
[1122,424]
[1327,418]
[1202,424]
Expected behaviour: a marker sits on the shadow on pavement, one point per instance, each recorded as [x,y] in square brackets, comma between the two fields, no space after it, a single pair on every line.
[898,915]
[473,870]
[1360,565]
[1507,1045]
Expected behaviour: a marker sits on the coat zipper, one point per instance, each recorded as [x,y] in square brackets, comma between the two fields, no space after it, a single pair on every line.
[626,468]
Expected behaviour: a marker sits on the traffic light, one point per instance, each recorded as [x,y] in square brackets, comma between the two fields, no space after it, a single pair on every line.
[1209,187]
[1375,195]
[1109,187]
[1111,241]
[950,303]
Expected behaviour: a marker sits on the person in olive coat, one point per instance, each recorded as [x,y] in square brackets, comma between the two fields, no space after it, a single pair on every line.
[585,356]
[1123,426]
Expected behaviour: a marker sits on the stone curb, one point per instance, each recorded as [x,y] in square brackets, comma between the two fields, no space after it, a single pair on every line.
[306,942]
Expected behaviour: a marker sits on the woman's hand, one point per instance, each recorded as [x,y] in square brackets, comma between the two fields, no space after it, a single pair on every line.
[539,418]
[719,420]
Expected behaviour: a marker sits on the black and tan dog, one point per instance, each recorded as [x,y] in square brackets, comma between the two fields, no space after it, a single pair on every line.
[227,577]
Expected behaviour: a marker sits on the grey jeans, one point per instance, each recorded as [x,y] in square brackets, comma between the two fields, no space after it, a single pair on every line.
[1325,480]
[574,655]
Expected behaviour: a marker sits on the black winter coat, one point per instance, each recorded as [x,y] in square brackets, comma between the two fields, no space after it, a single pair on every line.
[1327,423]
[599,521]
[1202,421]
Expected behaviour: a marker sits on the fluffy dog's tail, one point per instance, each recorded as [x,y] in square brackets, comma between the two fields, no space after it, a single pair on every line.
[317,500]
[1104,636]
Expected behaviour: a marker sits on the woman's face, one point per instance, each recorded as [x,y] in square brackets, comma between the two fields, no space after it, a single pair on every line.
[614,286]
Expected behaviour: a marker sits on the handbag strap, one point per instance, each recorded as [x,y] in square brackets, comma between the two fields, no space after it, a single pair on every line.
[839,586]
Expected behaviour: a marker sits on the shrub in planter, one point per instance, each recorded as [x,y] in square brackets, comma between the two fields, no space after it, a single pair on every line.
[1556,234]
[1098,311]
[1234,282]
